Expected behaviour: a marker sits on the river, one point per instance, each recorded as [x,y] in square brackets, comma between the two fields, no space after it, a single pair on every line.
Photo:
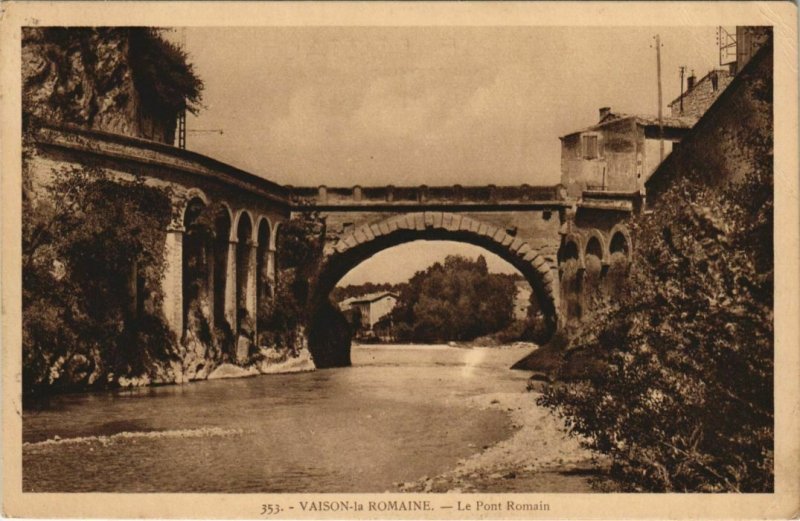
[398,414]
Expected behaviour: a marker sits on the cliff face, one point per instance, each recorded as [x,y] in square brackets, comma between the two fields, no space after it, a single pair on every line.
[85,77]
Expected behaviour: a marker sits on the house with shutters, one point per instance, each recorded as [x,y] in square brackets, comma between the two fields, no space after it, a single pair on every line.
[619,152]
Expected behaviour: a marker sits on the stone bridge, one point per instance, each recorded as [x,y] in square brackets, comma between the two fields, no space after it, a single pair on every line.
[561,246]
[536,229]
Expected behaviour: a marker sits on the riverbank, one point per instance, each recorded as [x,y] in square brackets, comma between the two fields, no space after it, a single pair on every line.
[540,456]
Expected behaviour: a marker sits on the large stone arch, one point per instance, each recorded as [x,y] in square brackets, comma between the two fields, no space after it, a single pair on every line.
[367,240]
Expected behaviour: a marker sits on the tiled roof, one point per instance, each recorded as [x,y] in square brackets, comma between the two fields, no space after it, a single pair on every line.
[369,297]
[698,82]
[646,120]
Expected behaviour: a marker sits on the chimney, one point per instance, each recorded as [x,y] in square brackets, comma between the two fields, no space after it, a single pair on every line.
[604,111]
[690,81]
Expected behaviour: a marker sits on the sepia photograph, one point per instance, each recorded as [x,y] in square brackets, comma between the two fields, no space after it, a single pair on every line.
[398,269]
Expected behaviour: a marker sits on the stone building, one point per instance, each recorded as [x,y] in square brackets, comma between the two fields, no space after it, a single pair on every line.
[372,307]
[733,137]
[701,94]
[618,153]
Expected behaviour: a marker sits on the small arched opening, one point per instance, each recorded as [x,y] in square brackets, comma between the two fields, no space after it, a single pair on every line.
[592,280]
[571,271]
[619,260]
[197,266]
[222,233]
[245,276]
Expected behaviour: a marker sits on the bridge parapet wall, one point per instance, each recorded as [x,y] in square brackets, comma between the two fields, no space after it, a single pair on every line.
[399,195]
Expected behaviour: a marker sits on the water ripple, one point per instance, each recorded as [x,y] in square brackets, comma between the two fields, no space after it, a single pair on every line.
[203,432]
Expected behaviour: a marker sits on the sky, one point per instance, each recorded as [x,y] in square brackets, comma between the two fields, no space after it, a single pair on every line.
[342,106]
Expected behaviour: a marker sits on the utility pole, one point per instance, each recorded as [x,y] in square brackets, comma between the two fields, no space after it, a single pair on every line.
[660,102]
[683,71]
[182,113]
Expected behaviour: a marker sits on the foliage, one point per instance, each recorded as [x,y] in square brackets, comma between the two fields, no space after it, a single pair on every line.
[457,300]
[162,72]
[88,241]
[300,241]
[680,391]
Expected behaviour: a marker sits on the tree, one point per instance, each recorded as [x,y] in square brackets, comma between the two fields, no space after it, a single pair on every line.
[457,300]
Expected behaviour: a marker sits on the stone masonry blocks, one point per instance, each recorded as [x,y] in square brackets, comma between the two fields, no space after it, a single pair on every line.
[447,221]
[544,268]
[393,224]
[419,221]
[525,248]
[368,233]
[350,241]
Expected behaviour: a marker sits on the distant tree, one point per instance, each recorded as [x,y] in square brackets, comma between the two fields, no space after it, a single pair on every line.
[457,300]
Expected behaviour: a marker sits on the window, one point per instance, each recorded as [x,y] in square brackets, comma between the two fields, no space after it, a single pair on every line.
[590,148]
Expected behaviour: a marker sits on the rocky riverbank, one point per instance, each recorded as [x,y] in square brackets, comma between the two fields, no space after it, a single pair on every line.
[540,456]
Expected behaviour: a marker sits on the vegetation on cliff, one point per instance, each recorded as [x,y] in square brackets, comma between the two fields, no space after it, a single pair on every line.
[92,263]
[96,77]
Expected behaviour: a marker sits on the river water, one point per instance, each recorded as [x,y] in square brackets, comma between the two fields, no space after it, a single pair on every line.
[398,414]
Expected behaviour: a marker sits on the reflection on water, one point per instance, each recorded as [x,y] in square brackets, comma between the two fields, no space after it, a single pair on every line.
[397,415]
